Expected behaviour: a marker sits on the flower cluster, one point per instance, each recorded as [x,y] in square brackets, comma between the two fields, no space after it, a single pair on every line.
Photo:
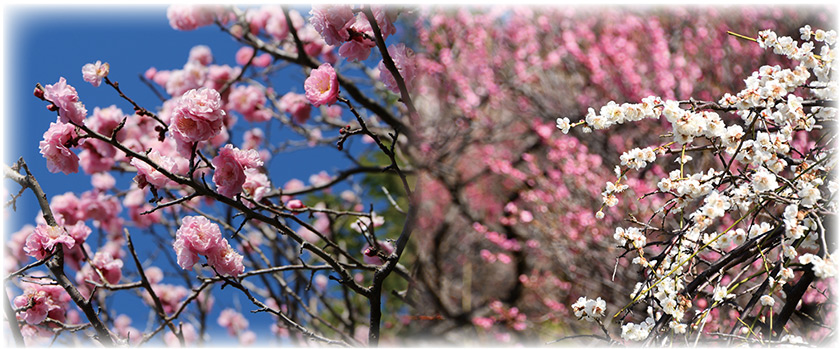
[45,238]
[249,100]
[404,61]
[231,164]
[338,25]
[637,332]
[198,236]
[55,147]
[65,97]
[197,116]
[589,309]
[39,302]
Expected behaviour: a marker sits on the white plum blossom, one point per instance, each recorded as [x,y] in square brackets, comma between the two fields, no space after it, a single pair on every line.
[563,124]
[764,180]
[589,309]
[823,268]
[637,332]
[767,300]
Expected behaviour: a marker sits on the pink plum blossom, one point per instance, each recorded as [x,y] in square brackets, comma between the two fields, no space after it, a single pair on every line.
[371,258]
[332,22]
[44,238]
[103,263]
[189,333]
[295,204]
[197,116]
[148,175]
[233,321]
[41,301]
[256,184]
[192,76]
[150,73]
[199,235]
[55,148]
[230,166]
[297,105]
[276,25]
[219,75]
[249,100]
[95,72]
[226,261]
[201,54]
[79,232]
[403,58]
[247,338]
[322,86]
[262,61]
[190,17]
[66,207]
[244,55]
[102,181]
[170,296]
[65,97]
[253,138]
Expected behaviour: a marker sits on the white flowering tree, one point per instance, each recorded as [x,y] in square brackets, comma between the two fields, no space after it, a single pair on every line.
[744,235]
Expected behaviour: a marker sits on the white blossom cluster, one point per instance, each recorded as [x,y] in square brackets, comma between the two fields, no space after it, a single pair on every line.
[762,170]
[589,309]
[638,158]
[608,195]
[632,234]
[823,267]
[637,332]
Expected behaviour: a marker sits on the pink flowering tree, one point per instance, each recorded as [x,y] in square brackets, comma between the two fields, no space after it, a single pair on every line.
[477,205]
[316,260]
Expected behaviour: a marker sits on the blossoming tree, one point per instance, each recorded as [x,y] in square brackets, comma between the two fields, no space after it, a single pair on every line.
[308,258]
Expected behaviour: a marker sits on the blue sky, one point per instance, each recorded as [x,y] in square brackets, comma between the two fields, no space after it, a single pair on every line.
[45,43]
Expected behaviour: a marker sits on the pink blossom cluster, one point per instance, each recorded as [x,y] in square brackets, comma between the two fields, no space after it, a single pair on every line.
[65,97]
[197,116]
[237,326]
[199,236]
[249,100]
[99,156]
[44,239]
[103,263]
[104,209]
[190,17]
[231,164]
[297,106]
[197,72]
[55,147]
[246,54]
[403,58]
[256,185]
[41,302]
[510,317]
[123,329]
[338,25]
